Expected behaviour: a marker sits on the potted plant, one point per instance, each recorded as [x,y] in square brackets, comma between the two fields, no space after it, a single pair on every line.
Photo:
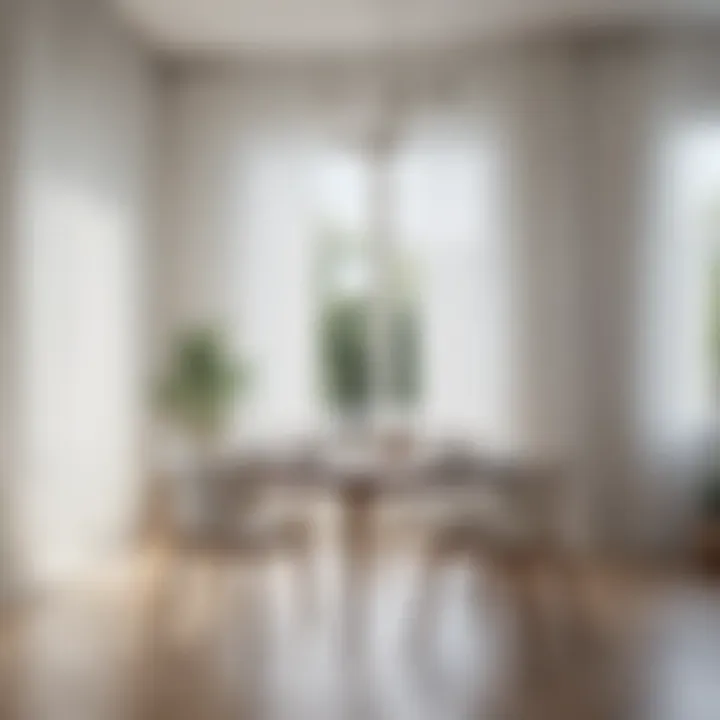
[346,358]
[196,394]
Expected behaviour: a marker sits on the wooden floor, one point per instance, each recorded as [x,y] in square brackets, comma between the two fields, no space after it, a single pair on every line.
[335,630]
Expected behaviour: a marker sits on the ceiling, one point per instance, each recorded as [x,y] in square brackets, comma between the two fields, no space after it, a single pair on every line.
[189,27]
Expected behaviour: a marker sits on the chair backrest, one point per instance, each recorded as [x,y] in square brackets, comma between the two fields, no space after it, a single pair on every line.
[452,466]
[237,489]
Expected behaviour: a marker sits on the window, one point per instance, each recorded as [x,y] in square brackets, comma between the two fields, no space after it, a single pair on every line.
[683,390]
[374,289]
[413,320]
[350,301]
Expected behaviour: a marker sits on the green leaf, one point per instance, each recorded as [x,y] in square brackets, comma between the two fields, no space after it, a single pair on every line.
[201,382]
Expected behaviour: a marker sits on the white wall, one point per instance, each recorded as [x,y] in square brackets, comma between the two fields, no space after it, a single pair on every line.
[514,108]
[82,191]
[583,122]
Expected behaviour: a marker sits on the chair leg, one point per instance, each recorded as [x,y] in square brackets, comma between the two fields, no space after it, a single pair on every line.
[423,613]
[306,583]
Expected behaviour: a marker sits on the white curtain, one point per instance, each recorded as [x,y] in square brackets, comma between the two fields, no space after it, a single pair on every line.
[273,324]
[82,193]
[449,217]
[649,163]
[81,380]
